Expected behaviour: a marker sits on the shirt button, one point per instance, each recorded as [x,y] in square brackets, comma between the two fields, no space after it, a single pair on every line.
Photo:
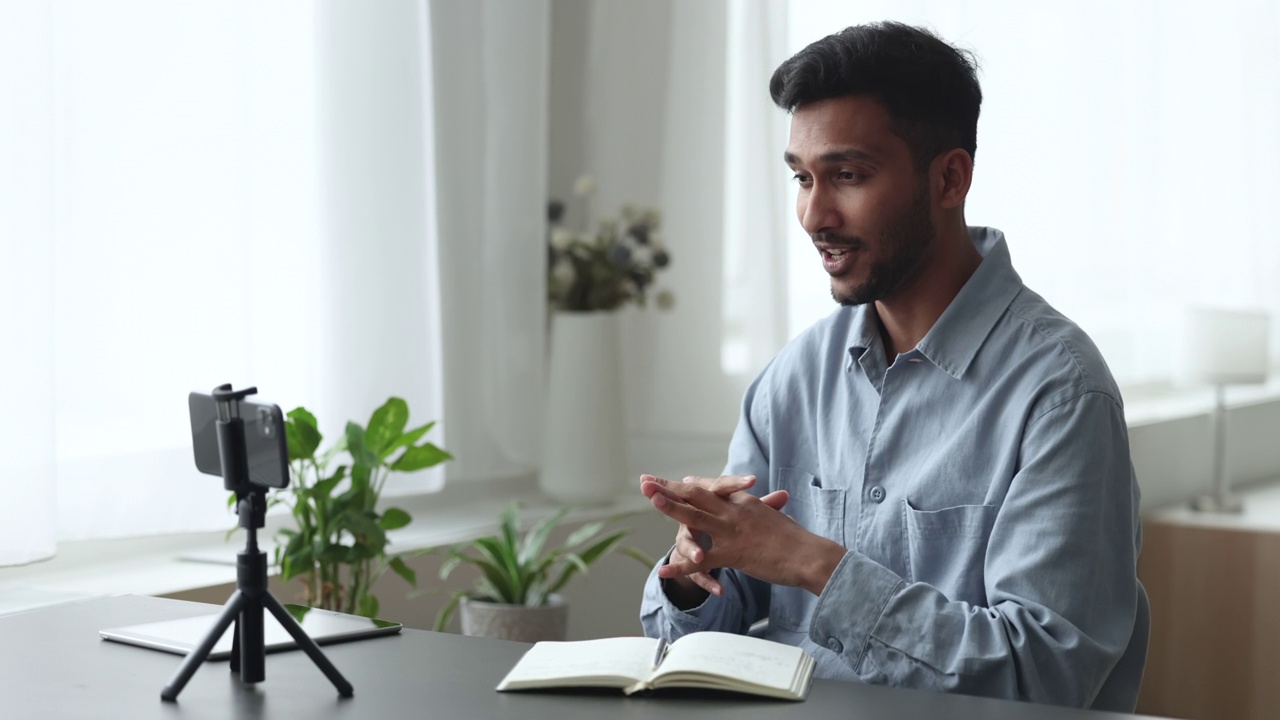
[835,645]
[877,493]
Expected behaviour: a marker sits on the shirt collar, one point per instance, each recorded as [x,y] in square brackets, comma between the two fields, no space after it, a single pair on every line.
[959,332]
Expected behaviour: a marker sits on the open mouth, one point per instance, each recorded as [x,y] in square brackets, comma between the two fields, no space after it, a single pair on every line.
[836,260]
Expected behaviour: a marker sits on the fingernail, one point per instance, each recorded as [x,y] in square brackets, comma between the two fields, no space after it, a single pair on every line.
[659,500]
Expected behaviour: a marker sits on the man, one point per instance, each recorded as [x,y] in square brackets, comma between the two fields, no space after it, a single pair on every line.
[931,487]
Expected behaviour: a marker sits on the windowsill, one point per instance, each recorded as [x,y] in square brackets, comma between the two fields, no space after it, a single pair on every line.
[167,564]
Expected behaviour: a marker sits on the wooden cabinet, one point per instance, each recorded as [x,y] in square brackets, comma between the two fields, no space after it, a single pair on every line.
[1214,584]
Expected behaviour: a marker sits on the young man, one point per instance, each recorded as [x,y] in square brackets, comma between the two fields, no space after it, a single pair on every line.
[931,487]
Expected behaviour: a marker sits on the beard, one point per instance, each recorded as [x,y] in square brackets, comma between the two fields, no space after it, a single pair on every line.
[907,238]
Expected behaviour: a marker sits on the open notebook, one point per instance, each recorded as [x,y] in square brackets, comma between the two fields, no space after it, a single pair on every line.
[708,660]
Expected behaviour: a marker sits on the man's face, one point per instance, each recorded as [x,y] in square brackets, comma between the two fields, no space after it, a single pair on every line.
[860,198]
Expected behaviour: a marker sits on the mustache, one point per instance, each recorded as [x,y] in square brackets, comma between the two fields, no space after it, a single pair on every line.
[852,242]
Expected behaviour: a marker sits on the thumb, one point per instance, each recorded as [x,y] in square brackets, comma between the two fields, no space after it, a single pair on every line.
[776,499]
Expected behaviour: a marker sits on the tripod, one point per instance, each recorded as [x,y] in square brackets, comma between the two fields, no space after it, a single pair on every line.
[244,608]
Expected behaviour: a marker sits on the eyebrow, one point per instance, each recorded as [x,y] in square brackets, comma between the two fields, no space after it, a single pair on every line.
[836,156]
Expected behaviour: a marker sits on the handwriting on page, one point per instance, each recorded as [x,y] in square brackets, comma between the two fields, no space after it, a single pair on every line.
[751,660]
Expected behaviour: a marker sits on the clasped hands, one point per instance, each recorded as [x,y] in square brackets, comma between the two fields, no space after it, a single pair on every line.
[721,525]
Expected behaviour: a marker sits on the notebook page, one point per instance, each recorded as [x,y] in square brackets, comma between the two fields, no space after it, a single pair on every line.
[622,657]
[746,659]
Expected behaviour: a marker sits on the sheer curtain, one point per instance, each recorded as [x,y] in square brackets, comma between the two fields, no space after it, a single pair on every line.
[1128,151]
[206,192]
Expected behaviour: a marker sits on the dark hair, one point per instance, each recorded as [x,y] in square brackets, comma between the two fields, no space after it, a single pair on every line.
[929,87]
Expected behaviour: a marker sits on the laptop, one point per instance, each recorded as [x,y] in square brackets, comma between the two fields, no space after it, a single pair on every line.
[183,635]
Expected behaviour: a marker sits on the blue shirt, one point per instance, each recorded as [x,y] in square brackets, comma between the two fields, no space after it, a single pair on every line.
[983,487]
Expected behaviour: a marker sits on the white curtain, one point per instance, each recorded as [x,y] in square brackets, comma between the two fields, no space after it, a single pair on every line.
[1128,150]
[28,512]
[207,192]
[653,112]
[491,82]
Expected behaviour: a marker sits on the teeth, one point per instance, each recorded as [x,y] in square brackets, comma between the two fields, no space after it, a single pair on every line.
[835,253]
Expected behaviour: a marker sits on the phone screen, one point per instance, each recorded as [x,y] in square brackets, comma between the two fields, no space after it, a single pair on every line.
[264,440]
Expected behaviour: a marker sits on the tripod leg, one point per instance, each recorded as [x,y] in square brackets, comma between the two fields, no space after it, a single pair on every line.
[307,644]
[253,662]
[230,612]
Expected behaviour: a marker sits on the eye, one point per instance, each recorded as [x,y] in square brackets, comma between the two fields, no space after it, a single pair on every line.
[802,179]
[849,176]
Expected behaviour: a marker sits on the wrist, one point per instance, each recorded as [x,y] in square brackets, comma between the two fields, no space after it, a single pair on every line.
[823,561]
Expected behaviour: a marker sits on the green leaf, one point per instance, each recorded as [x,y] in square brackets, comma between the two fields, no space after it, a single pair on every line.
[536,538]
[406,439]
[450,563]
[386,425]
[442,618]
[399,567]
[324,488]
[363,525]
[498,564]
[418,458]
[598,550]
[394,518]
[574,565]
[356,446]
[368,606]
[301,434]
[510,530]
[537,595]
[639,556]
[583,533]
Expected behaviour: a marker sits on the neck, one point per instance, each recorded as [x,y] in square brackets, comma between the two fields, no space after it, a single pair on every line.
[908,315]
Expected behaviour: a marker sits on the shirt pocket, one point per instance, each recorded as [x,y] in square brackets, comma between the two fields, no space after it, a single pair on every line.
[820,510]
[947,549]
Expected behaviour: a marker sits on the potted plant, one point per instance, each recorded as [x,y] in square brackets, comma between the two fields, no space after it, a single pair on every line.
[338,547]
[516,596]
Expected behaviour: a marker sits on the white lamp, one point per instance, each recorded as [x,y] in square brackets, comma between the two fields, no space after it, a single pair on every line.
[1224,347]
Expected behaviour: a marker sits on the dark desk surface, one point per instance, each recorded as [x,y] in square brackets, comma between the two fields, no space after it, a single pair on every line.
[53,664]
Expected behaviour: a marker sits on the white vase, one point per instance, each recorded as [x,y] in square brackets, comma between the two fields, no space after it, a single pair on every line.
[585,459]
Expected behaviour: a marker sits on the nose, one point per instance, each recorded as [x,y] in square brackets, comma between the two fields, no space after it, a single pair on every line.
[816,209]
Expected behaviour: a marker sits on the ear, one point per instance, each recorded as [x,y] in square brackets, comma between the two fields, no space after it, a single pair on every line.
[951,173]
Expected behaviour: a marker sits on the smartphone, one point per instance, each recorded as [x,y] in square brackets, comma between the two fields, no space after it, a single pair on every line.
[264,440]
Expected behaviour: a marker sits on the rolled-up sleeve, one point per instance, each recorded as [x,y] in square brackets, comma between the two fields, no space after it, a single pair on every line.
[1059,573]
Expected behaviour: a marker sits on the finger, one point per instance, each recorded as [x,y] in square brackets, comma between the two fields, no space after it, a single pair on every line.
[692,545]
[678,510]
[680,567]
[726,485]
[701,579]
[649,484]
[776,499]
[692,492]
[708,583]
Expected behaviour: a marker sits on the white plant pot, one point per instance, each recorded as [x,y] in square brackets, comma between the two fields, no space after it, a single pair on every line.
[516,622]
[585,453]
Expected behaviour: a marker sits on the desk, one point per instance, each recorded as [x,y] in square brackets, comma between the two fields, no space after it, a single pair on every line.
[53,665]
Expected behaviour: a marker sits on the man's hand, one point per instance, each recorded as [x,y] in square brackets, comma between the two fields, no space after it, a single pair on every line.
[721,526]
